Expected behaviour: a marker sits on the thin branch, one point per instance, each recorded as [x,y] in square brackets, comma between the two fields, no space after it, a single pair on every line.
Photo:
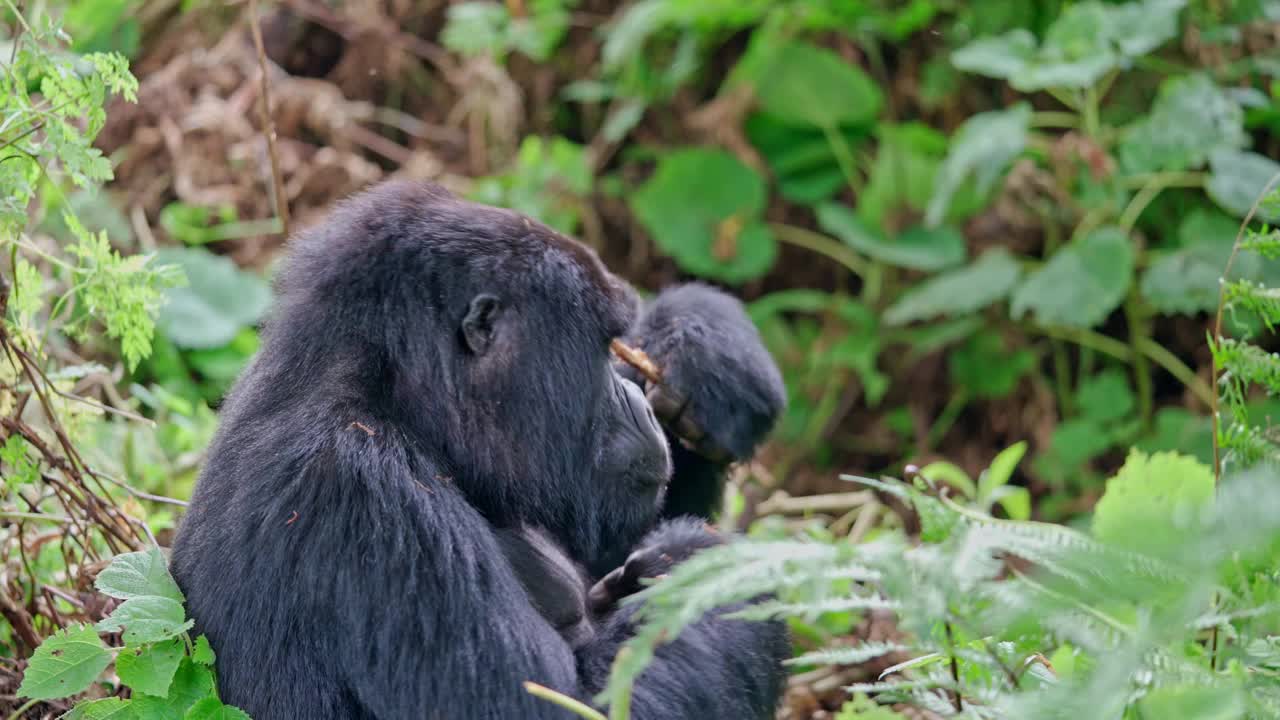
[268,123]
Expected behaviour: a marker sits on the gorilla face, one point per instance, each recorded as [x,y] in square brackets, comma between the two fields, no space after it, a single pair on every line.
[634,450]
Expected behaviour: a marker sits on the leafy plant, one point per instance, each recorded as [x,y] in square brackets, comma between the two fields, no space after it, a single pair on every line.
[171,674]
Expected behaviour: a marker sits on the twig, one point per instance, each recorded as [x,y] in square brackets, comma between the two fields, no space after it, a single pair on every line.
[268,123]
[637,359]
[781,503]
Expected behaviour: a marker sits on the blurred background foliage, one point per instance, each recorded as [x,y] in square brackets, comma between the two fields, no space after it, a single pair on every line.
[960,225]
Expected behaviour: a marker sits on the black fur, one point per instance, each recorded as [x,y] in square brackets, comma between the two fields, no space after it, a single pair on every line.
[339,549]
[710,353]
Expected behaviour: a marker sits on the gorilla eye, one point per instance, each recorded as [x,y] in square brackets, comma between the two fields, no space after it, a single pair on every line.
[480,324]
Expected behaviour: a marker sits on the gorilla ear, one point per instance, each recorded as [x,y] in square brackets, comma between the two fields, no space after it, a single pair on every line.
[479,326]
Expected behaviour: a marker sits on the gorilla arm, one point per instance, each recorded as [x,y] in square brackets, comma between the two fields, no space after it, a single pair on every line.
[486,638]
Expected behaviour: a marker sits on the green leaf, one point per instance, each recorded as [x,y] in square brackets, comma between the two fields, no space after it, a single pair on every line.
[1151,500]
[800,159]
[802,84]
[150,668]
[1016,501]
[203,652]
[902,180]
[1081,284]
[917,248]
[104,709]
[1191,118]
[219,300]
[1004,56]
[704,208]
[1186,280]
[986,368]
[65,664]
[980,152]
[1237,179]
[138,574]
[964,290]
[191,684]
[147,619]
[1084,43]
[1105,397]
[951,474]
[1001,470]
[213,709]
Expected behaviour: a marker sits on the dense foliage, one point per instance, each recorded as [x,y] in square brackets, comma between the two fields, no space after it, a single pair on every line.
[975,234]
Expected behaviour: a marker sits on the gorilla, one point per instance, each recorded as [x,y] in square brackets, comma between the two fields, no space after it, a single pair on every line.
[432,482]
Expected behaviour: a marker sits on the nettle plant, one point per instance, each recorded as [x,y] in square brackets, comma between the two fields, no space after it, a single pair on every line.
[1166,606]
[71,438]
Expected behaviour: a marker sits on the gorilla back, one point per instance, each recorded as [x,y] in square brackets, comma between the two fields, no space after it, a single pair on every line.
[433,369]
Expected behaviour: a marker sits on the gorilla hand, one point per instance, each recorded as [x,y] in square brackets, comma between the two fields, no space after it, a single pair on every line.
[721,392]
[662,549]
[557,587]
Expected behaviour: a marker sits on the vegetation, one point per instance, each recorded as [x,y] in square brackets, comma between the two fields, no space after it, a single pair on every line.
[1019,255]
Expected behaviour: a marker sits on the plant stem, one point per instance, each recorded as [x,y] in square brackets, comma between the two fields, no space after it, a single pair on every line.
[955,667]
[821,244]
[1063,120]
[1141,373]
[844,157]
[17,714]
[1154,184]
[563,701]
[1120,351]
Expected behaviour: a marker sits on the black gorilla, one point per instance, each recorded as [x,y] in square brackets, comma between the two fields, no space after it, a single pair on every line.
[434,370]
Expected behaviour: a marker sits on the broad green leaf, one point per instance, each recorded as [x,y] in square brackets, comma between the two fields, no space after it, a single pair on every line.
[1180,430]
[980,152]
[704,207]
[104,709]
[964,290]
[138,574]
[150,668]
[65,664]
[986,368]
[147,619]
[1237,179]
[191,684]
[1151,500]
[1081,284]
[917,248]
[802,84]
[213,709]
[219,300]
[1002,56]
[1105,397]
[1001,470]
[1083,44]
[1186,280]
[801,159]
[203,652]
[1191,118]
[901,182]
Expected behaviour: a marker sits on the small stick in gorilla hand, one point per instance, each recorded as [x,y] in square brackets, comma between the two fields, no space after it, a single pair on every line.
[637,359]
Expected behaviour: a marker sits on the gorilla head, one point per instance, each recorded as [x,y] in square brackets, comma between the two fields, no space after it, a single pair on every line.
[486,335]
